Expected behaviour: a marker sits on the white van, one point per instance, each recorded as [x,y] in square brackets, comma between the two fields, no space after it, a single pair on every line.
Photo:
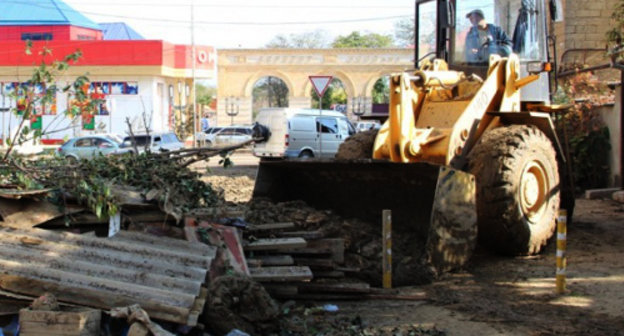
[302,133]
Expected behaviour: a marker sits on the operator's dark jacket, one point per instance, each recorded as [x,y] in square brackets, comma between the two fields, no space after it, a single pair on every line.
[499,44]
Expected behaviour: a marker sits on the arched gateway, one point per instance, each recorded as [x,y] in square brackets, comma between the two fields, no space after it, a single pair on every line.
[358,69]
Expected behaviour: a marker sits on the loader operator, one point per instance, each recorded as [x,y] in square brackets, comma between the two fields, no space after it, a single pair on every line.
[485,39]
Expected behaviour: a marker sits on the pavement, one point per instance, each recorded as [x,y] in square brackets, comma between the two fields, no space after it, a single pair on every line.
[239,158]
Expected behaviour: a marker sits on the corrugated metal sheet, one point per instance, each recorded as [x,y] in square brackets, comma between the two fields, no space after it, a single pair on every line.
[42,12]
[163,275]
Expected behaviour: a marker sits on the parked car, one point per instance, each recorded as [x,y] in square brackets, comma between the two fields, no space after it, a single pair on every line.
[155,142]
[362,126]
[228,135]
[302,133]
[86,147]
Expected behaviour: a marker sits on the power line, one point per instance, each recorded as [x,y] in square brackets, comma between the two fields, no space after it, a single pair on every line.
[237,23]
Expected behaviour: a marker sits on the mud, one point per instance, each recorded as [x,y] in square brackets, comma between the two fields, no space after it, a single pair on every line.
[240,303]
[492,295]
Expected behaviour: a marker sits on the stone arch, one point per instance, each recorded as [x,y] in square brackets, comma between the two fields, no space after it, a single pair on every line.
[256,77]
[370,84]
[346,80]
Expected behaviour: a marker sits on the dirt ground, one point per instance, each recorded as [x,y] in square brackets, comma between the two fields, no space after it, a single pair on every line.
[493,295]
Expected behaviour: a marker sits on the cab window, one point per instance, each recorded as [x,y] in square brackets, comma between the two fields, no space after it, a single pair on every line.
[327,125]
[427,14]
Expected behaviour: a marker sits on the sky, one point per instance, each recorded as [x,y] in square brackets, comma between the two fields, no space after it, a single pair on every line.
[246,23]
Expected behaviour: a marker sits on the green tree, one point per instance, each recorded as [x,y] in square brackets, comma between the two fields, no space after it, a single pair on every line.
[615,35]
[205,94]
[357,40]
[381,91]
[404,32]
[335,94]
[269,92]
[310,40]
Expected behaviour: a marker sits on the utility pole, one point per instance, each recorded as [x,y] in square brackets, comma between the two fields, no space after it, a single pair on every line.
[194,57]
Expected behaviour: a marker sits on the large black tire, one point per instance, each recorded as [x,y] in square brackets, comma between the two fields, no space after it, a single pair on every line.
[517,189]
[357,146]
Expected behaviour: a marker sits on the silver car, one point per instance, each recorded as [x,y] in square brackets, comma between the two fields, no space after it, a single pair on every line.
[229,135]
[156,142]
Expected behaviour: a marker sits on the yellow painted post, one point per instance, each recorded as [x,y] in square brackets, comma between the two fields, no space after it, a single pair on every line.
[561,251]
[387,248]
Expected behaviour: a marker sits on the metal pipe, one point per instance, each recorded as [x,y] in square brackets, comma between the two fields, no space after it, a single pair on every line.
[576,71]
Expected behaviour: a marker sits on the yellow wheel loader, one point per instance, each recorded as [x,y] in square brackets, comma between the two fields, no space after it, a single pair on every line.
[469,147]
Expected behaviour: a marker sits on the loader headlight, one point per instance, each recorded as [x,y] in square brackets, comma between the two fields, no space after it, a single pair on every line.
[537,67]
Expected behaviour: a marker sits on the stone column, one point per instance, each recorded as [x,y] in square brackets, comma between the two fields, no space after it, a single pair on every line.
[299,102]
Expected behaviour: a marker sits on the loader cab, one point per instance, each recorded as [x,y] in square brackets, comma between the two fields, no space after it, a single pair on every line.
[443,30]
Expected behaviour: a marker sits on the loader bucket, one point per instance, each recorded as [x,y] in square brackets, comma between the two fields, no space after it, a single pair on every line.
[436,202]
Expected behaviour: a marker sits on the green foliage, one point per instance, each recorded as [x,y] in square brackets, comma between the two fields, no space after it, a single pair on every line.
[615,35]
[335,94]
[357,40]
[590,154]
[97,183]
[381,91]
[205,94]
[269,92]
[44,76]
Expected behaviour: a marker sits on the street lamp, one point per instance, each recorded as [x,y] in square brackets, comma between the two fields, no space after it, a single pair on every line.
[232,107]
[358,106]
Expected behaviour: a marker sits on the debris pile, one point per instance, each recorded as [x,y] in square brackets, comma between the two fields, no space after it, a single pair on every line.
[362,244]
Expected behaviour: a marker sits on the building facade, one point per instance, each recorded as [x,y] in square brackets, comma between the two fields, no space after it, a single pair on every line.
[146,83]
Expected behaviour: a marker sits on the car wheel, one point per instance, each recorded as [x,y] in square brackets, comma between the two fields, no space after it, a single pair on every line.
[71,159]
[306,154]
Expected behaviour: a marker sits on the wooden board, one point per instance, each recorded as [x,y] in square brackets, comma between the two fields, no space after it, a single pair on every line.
[85,322]
[272,226]
[316,262]
[308,235]
[330,246]
[281,273]
[272,260]
[275,244]
[356,287]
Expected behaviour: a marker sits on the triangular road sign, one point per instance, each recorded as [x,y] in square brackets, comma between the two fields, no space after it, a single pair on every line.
[320,83]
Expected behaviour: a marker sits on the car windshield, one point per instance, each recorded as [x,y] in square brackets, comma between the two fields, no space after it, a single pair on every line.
[512,25]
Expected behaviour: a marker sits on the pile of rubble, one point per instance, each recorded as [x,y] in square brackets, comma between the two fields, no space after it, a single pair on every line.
[139,244]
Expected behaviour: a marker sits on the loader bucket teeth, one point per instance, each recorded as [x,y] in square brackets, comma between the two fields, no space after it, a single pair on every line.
[436,202]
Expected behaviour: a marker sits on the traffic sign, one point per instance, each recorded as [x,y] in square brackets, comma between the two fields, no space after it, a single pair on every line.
[320,83]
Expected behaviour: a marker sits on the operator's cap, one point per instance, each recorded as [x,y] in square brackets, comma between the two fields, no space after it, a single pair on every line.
[475,11]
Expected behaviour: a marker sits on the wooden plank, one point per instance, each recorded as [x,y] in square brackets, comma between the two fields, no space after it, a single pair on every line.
[316,287]
[39,323]
[600,193]
[328,274]
[275,244]
[102,299]
[308,235]
[272,260]
[281,273]
[328,246]
[272,226]
[315,262]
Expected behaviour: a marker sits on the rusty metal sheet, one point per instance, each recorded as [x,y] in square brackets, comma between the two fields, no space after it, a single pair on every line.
[163,275]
